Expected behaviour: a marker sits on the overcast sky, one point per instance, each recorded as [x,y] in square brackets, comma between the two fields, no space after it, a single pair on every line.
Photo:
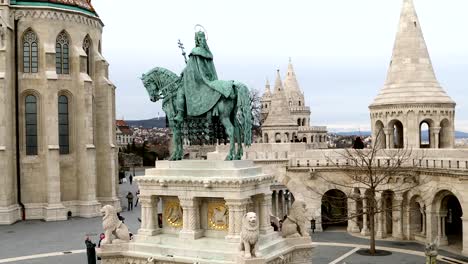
[340,48]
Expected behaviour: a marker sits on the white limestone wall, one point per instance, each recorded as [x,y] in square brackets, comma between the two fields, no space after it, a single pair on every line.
[53,184]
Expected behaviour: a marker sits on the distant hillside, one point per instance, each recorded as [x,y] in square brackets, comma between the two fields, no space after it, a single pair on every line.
[149,123]
[458,134]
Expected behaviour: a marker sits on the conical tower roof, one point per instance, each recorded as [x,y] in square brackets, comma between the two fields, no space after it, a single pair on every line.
[279,111]
[267,92]
[290,82]
[411,77]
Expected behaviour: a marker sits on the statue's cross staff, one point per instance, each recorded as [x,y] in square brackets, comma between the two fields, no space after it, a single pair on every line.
[181,46]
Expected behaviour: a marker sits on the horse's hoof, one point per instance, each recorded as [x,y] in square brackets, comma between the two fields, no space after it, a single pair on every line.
[228,158]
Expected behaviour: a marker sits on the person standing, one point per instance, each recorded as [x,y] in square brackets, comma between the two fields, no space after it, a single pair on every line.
[138,197]
[130,178]
[130,200]
[358,144]
[90,250]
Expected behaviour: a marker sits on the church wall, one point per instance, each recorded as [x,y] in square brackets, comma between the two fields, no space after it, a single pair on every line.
[9,212]
[53,184]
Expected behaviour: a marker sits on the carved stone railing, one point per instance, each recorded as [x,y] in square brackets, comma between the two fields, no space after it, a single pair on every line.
[321,129]
[450,164]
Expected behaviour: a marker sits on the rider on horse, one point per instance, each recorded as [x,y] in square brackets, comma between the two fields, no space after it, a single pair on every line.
[200,86]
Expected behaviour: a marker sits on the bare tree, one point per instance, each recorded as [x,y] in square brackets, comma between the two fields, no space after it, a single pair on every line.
[255,98]
[373,170]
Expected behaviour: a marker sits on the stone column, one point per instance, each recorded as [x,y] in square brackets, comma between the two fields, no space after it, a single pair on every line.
[280,198]
[149,224]
[55,211]
[263,217]
[237,210]
[285,204]
[388,137]
[353,226]
[443,241]
[380,206]
[191,226]
[435,131]
[365,228]
[423,228]
[465,236]
[275,204]
[397,215]
[431,225]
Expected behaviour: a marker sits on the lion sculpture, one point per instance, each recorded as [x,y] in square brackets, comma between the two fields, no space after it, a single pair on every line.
[249,235]
[113,227]
[295,224]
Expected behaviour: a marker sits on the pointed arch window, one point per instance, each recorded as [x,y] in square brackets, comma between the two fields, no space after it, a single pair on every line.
[31,124]
[64,135]
[87,49]
[30,52]
[62,53]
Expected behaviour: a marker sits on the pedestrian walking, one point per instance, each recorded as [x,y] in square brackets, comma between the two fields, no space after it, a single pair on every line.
[138,197]
[130,178]
[130,199]
[90,251]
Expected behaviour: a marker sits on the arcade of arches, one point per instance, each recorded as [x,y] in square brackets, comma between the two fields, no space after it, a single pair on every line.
[406,216]
[429,134]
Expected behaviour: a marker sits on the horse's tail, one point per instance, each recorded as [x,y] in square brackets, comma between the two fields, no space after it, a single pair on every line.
[244,112]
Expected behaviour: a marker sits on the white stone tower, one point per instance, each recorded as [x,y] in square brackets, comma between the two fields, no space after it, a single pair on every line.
[265,102]
[295,97]
[279,126]
[412,102]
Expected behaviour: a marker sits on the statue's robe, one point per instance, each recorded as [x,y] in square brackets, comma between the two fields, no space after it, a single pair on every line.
[201,86]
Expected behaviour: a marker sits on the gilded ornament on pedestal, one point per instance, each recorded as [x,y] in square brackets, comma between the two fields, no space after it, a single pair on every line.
[174,214]
[218,216]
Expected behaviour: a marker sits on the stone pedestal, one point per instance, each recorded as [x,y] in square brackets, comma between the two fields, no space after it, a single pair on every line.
[204,203]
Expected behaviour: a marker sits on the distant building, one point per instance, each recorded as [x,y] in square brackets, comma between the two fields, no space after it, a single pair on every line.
[285,117]
[124,134]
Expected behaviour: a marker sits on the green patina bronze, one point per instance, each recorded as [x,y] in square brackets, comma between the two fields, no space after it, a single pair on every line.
[198,94]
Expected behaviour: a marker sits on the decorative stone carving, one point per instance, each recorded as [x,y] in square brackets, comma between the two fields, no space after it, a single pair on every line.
[113,227]
[174,214]
[295,224]
[218,216]
[249,235]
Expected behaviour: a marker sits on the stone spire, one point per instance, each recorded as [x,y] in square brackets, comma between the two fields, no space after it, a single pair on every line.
[279,115]
[410,77]
[267,92]
[278,82]
[290,82]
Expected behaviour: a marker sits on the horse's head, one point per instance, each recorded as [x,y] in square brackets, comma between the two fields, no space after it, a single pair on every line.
[151,87]
[156,82]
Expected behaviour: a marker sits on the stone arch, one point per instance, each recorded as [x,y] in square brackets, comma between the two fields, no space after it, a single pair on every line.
[387,203]
[425,137]
[380,141]
[448,224]
[278,137]
[63,52]
[445,134]
[415,212]
[30,54]
[299,122]
[334,209]
[304,139]
[286,137]
[397,134]
[70,115]
[303,122]
[265,138]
